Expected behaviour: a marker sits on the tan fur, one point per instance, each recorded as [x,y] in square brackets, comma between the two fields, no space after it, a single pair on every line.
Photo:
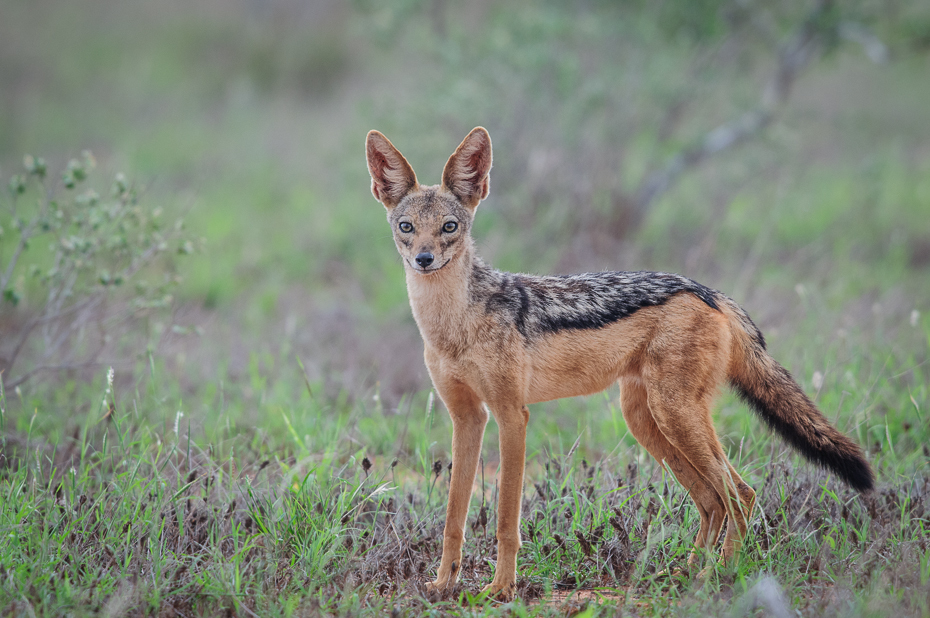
[670,359]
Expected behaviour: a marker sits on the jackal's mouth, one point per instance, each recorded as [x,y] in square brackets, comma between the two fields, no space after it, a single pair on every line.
[428,271]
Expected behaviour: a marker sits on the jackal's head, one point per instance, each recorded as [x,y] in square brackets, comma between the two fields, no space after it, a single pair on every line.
[431,224]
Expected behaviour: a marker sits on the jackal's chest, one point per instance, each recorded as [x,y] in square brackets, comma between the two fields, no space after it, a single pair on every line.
[469,336]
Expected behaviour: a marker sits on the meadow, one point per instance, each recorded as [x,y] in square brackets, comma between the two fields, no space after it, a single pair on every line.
[257,436]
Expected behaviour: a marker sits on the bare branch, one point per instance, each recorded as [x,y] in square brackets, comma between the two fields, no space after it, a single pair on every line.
[43,368]
[794,56]
[723,137]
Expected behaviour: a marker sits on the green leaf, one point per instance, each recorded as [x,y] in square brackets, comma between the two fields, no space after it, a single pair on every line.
[17,185]
[77,170]
[35,166]
[119,185]
[11,296]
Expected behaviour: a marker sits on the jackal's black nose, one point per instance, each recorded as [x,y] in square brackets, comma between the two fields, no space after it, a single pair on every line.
[424,259]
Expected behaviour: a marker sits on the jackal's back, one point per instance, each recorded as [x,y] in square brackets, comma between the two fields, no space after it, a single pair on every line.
[540,305]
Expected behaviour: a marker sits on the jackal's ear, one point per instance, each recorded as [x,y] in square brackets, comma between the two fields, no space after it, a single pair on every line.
[391,176]
[466,171]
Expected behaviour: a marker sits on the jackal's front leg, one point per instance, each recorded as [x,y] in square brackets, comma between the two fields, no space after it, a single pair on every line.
[512,424]
[468,421]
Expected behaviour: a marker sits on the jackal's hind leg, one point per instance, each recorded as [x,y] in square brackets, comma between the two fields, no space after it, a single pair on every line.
[685,421]
[642,425]
[745,504]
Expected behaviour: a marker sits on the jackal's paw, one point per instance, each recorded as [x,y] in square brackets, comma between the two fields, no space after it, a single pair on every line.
[436,590]
[436,586]
[445,580]
[503,591]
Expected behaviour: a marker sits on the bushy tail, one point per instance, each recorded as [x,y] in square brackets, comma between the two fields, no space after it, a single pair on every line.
[773,394]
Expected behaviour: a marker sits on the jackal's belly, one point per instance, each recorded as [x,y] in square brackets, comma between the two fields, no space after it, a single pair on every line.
[546,385]
[581,362]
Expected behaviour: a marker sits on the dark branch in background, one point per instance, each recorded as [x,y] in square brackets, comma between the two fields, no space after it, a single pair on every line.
[810,41]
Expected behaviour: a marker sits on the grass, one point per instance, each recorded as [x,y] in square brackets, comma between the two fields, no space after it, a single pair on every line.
[295,504]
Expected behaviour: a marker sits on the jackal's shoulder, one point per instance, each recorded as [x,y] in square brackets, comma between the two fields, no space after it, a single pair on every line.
[545,304]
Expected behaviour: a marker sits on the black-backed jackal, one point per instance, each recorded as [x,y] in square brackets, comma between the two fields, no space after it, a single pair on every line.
[506,340]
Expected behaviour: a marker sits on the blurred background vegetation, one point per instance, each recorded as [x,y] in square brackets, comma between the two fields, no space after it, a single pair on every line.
[247,119]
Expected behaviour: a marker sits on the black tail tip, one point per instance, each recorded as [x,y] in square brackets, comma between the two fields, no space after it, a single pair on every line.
[858,474]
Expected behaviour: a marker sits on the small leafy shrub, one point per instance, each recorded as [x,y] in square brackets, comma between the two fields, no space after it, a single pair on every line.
[79,270]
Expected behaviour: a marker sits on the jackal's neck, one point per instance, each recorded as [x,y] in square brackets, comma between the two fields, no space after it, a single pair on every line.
[441,301]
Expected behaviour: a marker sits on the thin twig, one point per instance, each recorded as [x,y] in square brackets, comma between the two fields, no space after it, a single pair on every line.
[62,367]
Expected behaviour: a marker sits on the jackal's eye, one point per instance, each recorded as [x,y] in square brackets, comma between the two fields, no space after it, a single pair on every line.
[405,226]
[450,226]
